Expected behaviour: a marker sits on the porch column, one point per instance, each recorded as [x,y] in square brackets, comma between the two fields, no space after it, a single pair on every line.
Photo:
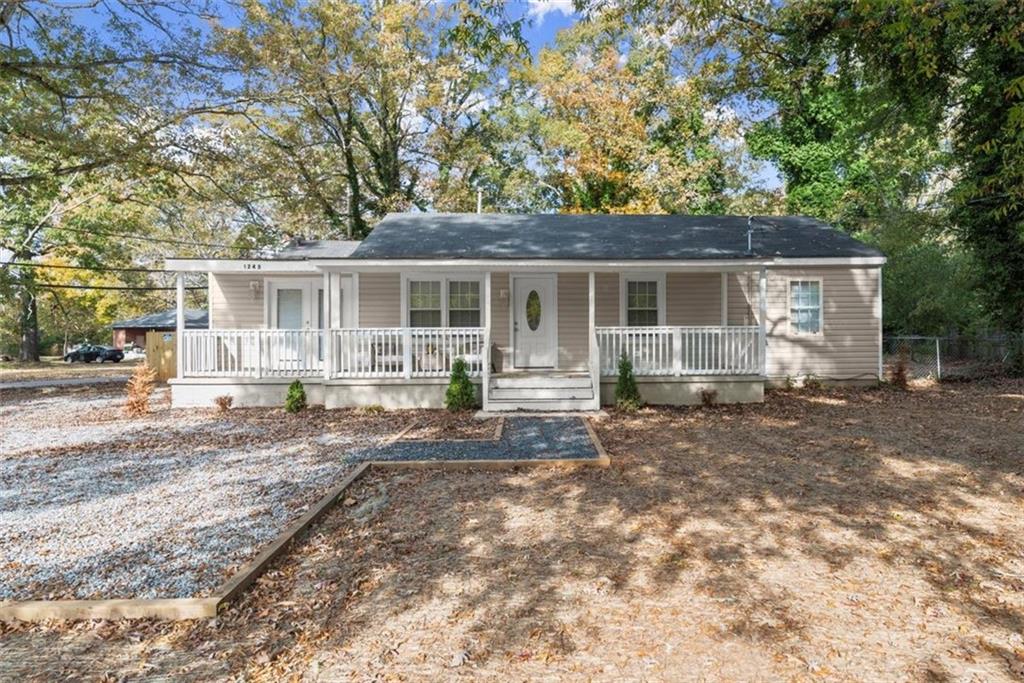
[595,352]
[762,302]
[485,387]
[325,332]
[179,324]
[725,299]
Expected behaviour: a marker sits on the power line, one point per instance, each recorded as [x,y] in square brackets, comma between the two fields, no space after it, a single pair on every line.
[164,240]
[46,285]
[91,268]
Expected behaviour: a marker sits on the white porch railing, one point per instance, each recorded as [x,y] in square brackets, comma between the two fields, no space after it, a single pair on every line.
[681,350]
[406,351]
[252,353]
[364,352]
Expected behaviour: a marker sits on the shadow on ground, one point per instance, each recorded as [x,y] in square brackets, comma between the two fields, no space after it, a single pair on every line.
[867,534]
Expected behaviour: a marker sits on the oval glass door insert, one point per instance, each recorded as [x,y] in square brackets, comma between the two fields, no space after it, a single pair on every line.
[533,310]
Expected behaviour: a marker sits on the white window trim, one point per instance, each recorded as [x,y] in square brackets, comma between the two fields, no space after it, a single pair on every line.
[625,279]
[444,279]
[793,332]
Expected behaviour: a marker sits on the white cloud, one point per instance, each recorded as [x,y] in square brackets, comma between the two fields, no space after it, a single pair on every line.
[540,9]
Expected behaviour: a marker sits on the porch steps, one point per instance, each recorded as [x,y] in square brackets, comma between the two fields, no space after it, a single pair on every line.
[541,392]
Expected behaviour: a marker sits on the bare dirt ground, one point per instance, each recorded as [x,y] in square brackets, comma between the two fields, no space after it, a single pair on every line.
[435,425]
[837,535]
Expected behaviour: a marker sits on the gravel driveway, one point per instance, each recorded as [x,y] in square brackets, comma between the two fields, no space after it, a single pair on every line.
[96,505]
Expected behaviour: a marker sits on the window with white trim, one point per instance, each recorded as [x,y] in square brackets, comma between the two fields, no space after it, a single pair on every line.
[641,303]
[463,303]
[805,306]
[425,303]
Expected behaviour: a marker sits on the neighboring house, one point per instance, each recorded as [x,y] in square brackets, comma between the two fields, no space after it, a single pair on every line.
[133,330]
[541,307]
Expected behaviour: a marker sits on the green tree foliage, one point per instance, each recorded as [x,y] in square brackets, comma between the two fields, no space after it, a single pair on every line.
[618,130]
[461,394]
[627,394]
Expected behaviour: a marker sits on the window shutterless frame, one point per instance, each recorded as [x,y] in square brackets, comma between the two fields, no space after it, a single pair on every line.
[791,304]
[443,279]
[625,279]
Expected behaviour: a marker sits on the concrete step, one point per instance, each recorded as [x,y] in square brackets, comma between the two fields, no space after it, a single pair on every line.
[527,393]
[537,381]
[540,405]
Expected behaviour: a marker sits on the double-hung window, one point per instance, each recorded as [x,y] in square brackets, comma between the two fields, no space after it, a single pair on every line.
[643,299]
[425,303]
[805,307]
[463,303]
[443,302]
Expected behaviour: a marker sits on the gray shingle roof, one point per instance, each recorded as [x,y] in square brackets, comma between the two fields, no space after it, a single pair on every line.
[166,320]
[602,237]
[307,249]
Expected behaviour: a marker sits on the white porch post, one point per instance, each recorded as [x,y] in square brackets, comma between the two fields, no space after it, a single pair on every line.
[725,299]
[762,302]
[179,324]
[595,352]
[485,387]
[325,331]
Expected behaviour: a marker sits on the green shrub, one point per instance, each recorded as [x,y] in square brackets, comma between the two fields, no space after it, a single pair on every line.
[627,395]
[296,398]
[461,394]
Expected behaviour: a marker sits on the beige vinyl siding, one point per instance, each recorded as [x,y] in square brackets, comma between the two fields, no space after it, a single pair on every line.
[573,320]
[606,304]
[693,299]
[380,300]
[232,303]
[848,347]
[742,293]
[500,295]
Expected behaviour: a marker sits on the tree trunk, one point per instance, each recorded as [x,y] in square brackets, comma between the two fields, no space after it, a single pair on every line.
[28,318]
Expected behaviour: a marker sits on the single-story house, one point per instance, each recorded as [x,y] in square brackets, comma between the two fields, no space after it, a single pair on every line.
[541,308]
[133,330]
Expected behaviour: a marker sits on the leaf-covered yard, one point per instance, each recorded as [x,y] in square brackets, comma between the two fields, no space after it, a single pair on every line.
[853,534]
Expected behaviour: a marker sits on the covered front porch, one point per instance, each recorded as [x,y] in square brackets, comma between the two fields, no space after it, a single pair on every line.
[532,338]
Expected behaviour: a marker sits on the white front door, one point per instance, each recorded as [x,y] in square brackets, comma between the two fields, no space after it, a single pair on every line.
[534,323]
[296,305]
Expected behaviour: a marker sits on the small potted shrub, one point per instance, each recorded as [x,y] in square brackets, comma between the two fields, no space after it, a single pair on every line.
[627,395]
[295,401]
[461,394]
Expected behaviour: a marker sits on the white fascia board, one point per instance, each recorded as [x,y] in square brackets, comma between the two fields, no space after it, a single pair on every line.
[838,261]
[249,266]
[542,266]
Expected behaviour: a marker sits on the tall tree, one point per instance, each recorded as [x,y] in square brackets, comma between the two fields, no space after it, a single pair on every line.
[357,102]
[619,129]
[104,89]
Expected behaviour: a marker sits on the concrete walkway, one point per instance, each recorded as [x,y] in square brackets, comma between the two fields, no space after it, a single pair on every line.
[523,438]
[62,382]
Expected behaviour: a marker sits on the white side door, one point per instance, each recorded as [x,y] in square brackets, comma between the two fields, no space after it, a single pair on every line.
[534,321]
[296,307]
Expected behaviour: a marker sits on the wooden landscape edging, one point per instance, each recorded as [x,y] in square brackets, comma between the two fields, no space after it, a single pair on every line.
[176,609]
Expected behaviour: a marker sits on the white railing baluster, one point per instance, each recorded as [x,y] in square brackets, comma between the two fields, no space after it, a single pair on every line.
[679,350]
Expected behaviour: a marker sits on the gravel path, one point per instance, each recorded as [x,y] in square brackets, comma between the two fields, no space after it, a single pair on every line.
[93,505]
[523,438]
[63,382]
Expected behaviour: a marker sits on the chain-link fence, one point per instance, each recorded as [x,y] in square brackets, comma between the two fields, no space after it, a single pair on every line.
[947,357]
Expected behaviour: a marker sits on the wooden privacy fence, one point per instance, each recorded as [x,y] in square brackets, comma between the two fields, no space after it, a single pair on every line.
[161,354]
